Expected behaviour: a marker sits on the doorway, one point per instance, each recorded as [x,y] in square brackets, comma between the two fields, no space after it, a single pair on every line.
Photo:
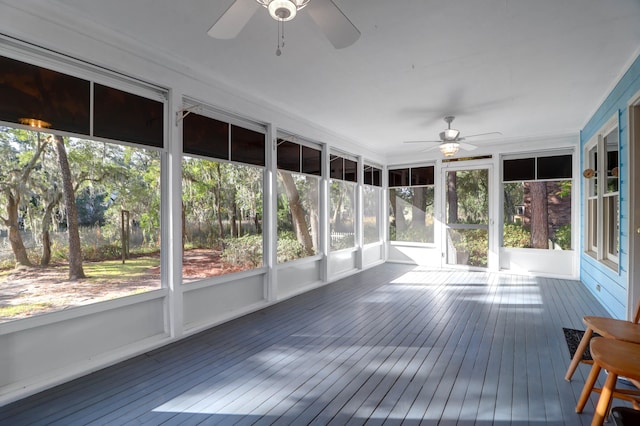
[466,221]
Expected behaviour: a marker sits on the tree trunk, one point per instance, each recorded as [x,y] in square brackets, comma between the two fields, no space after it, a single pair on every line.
[452,197]
[297,213]
[397,212]
[418,214]
[75,249]
[539,215]
[234,218]
[314,217]
[17,245]
[218,195]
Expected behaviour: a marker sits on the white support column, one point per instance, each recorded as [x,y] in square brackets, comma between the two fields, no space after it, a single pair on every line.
[171,190]
[324,213]
[270,216]
[359,213]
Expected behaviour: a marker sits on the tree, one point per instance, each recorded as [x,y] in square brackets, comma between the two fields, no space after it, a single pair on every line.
[539,215]
[297,213]
[75,249]
[13,184]
[452,197]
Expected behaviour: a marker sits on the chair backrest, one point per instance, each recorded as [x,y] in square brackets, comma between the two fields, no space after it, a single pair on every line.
[636,314]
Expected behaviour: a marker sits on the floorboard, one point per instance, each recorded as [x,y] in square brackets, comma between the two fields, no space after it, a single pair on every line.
[394,345]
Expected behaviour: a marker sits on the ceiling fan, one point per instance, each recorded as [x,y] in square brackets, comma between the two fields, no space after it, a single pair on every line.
[450,141]
[333,23]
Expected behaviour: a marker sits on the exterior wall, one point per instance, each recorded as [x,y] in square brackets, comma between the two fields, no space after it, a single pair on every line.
[609,286]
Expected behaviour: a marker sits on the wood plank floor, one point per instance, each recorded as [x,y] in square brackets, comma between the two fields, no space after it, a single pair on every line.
[392,345]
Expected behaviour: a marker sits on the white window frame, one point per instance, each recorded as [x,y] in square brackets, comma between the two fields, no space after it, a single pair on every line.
[602,219]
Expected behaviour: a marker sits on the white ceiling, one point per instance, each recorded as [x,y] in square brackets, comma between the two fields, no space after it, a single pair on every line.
[526,68]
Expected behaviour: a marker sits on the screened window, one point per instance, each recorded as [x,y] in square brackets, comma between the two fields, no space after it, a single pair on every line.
[537,202]
[411,204]
[298,201]
[116,198]
[372,201]
[342,202]
[222,202]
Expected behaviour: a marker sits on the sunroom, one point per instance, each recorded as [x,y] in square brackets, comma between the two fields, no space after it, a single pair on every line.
[157,182]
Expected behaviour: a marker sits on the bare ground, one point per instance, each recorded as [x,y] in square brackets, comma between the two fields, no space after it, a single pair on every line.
[49,289]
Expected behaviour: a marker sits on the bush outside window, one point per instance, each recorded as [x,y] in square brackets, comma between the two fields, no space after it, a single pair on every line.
[371,200]
[80,218]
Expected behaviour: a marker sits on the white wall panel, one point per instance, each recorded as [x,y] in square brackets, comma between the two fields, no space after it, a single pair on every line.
[212,304]
[294,277]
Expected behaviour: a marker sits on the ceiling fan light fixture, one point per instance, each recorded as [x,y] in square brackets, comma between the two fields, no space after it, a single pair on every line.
[449,149]
[449,134]
[283,10]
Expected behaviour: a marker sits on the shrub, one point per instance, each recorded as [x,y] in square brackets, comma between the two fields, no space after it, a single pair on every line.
[516,236]
[562,237]
[244,251]
[289,248]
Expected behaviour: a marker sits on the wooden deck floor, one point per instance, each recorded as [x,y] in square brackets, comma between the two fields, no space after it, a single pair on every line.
[391,345]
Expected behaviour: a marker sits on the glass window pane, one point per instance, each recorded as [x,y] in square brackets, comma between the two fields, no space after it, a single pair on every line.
[411,214]
[222,218]
[247,146]
[288,156]
[118,221]
[311,161]
[399,177]
[205,136]
[371,220]
[611,146]
[298,213]
[555,167]
[350,170]
[368,175]
[537,215]
[422,176]
[337,167]
[127,117]
[377,177]
[342,223]
[519,169]
[612,226]
[30,93]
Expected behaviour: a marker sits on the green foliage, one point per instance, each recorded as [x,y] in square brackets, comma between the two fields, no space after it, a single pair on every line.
[516,236]
[475,243]
[562,237]
[289,248]
[244,251]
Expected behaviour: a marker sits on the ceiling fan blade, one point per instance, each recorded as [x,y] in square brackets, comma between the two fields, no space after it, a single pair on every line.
[480,134]
[467,146]
[333,23]
[422,142]
[232,21]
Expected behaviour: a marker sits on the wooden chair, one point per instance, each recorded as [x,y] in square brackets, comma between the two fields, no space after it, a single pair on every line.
[619,359]
[610,328]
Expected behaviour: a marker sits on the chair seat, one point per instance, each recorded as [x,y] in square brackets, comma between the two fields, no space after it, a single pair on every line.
[613,328]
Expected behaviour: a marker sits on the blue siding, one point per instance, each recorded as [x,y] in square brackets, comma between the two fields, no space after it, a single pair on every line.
[613,284]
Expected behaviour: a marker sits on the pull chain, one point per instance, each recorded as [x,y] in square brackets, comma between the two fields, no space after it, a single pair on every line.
[280,37]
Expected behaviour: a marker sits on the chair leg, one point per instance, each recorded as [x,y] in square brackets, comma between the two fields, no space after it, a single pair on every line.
[588,387]
[577,356]
[605,400]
